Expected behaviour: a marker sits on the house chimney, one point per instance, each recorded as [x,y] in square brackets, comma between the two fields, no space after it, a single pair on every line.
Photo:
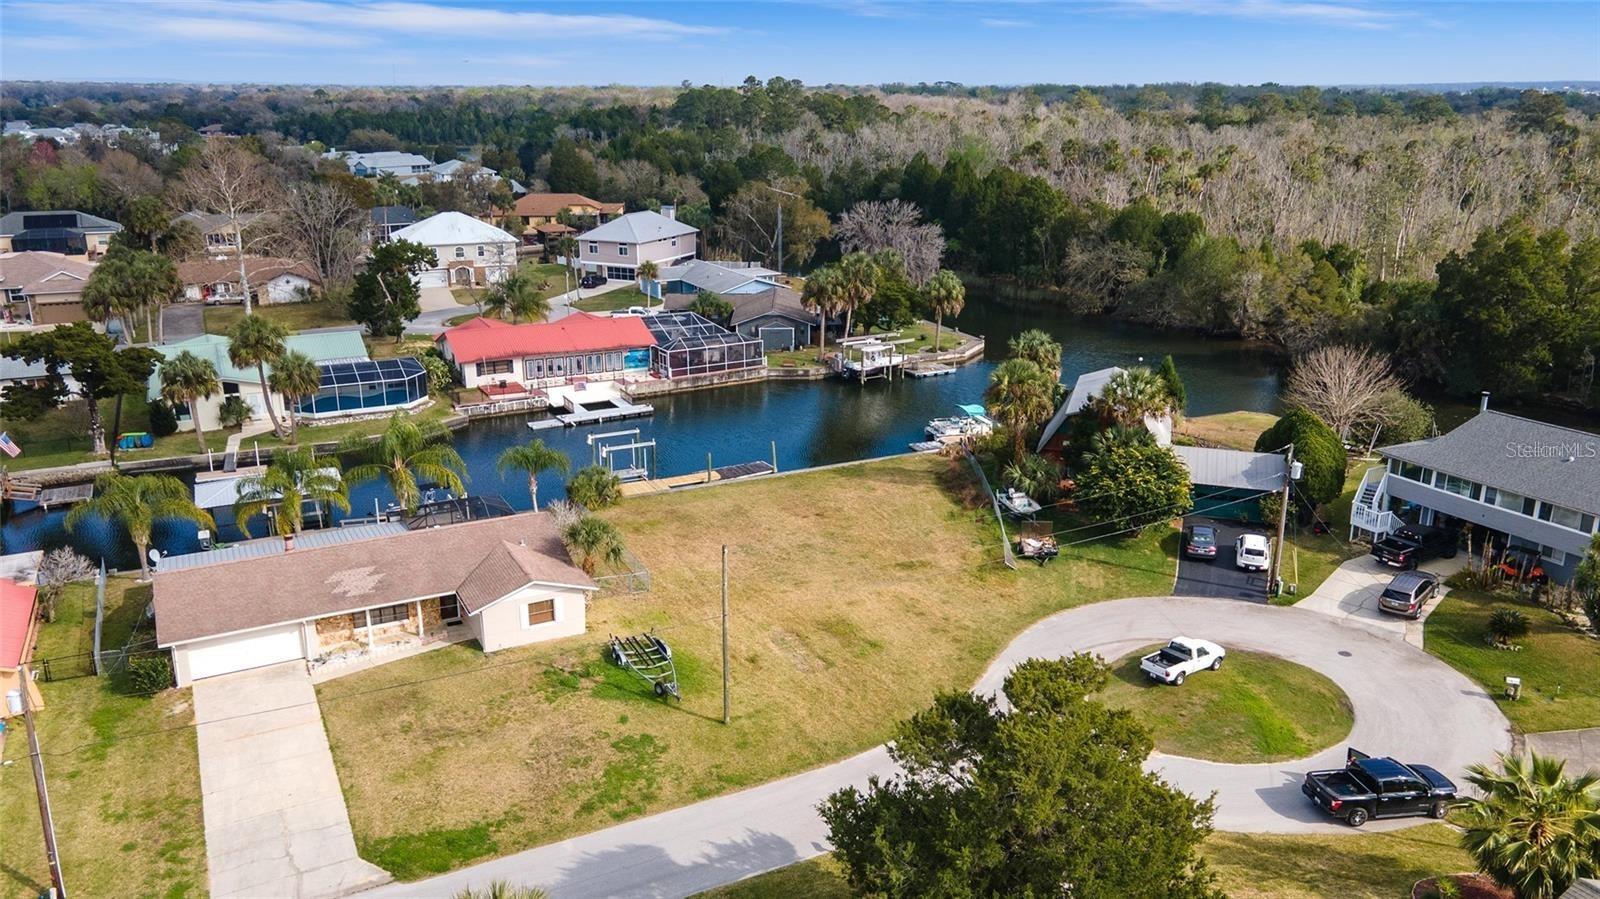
[670,211]
[1483,402]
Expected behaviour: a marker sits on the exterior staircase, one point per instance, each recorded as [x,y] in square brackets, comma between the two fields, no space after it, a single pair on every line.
[1369,511]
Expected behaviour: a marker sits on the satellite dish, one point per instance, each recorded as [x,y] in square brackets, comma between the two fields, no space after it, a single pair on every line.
[155,555]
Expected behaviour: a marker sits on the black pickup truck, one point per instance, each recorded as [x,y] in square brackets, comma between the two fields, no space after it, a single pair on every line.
[1411,545]
[1379,788]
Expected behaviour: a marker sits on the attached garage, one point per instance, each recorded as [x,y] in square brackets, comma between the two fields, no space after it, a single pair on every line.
[435,277]
[238,652]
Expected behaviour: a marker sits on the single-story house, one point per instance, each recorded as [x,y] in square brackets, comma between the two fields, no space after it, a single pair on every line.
[1512,480]
[617,248]
[216,228]
[471,252]
[351,384]
[1088,387]
[383,221]
[502,582]
[18,627]
[272,280]
[15,371]
[547,208]
[726,278]
[1228,483]
[41,288]
[488,352]
[776,316]
[68,232]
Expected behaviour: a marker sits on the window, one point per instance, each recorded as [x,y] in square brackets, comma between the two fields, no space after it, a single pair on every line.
[461,252]
[494,367]
[541,612]
[388,614]
[594,248]
[622,249]
[230,388]
[1413,472]
[674,241]
[1567,518]
[480,251]
[1552,555]
[1449,483]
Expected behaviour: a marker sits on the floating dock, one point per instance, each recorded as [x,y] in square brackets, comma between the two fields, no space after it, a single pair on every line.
[617,409]
[930,370]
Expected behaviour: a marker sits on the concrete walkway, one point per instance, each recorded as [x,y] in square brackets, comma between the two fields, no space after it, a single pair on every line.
[1440,718]
[275,818]
[1351,594]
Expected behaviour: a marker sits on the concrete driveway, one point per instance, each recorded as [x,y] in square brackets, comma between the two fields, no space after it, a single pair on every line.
[1581,748]
[181,321]
[1220,578]
[1407,703]
[275,818]
[1351,594]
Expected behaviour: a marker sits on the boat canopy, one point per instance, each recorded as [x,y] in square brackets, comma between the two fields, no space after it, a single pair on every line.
[975,409]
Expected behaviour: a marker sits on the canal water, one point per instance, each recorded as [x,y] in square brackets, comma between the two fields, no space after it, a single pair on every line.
[810,422]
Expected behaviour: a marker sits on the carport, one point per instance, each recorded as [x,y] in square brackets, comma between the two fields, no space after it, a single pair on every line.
[1227,487]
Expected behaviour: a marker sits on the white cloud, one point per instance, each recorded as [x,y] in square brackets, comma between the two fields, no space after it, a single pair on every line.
[415,18]
[227,34]
[1350,15]
[1003,23]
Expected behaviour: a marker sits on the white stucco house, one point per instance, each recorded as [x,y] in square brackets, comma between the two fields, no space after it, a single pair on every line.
[471,253]
[499,582]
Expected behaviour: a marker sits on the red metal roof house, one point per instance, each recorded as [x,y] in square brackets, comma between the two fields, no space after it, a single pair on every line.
[487,352]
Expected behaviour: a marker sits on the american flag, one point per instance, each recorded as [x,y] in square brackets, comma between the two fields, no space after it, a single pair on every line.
[9,445]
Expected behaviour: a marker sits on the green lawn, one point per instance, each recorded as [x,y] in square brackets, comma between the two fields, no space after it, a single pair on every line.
[1256,708]
[615,300]
[1248,866]
[857,593]
[292,316]
[554,276]
[1559,667]
[61,436]
[1312,556]
[123,773]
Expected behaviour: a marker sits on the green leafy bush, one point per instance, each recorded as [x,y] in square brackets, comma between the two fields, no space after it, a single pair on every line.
[150,673]
[163,421]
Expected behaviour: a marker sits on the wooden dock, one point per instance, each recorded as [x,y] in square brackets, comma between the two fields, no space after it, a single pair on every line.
[743,470]
[65,496]
[619,410]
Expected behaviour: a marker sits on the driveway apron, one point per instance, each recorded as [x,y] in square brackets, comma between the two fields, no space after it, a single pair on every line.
[275,818]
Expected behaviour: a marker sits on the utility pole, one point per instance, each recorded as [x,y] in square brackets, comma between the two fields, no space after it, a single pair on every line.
[1283,522]
[46,820]
[778,232]
[727,715]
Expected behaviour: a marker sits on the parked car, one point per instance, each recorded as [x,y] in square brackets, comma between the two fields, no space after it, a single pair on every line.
[592,280]
[1200,542]
[1251,552]
[1519,563]
[1181,657]
[1408,593]
[1379,788]
[1413,544]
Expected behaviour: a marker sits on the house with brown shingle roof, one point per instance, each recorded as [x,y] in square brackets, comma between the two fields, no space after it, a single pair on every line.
[40,288]
[541,209]
[498,582]
[272,279]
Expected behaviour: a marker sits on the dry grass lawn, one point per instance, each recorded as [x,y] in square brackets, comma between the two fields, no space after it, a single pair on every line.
[123,771]
[1234,430]
[857,593]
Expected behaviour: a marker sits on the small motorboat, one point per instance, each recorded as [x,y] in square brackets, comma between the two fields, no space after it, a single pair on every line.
[1017,503]
[973,421]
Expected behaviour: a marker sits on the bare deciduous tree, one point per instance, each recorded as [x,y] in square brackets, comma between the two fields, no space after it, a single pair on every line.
[58,568]
[873,225]
[228,180]
[1342,385]
[322,226]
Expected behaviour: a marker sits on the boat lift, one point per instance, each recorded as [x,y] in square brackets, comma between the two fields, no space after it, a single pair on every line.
[638,452]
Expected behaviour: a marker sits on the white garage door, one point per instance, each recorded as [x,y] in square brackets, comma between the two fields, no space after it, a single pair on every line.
[252,650]
[433,278]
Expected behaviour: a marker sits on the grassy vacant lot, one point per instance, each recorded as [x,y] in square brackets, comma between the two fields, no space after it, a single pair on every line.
[123,772]
[857,593]
[1235,430]
[293,316]
[1553,657]
[1256,708]
[613,300]
[1248,866]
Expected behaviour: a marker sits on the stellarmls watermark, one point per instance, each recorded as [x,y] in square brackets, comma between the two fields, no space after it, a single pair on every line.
[1569,451]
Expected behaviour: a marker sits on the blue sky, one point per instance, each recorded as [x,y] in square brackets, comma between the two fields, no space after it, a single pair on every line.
[839,41]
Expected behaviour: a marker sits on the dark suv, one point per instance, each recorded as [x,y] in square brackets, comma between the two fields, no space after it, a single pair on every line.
[592,280]
[1413,544]
[1408,593]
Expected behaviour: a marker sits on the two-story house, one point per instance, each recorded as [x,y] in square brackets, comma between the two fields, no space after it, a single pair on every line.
[1513,481]
[617,248]
[470,253]
[68,232]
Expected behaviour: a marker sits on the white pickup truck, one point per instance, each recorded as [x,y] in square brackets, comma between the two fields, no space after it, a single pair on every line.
[1180,658]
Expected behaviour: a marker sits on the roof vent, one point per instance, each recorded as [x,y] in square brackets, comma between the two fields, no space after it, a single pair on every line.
[1483,402]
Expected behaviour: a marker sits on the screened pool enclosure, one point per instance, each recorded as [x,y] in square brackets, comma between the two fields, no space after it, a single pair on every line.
[366,386]
[689,344]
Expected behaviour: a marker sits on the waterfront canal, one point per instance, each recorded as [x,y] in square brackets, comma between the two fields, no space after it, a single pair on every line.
[811,422]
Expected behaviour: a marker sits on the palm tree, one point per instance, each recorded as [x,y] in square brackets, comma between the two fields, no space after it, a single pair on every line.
[945,295]
[1037,347]
[518,296]
[1534,830]
[648,273]
[824,293]
[404,451]
[187,379]
[137,502]
[291,480]
[1134,394]
[296,377]
[531,459]
[595,540]
[858,275]
[594,487]
[257,341]
[1021,396]
[566,247]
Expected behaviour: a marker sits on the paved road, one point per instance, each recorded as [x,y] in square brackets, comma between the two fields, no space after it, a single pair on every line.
[1439,716]
[1581,748]
[1220,578]
[275,819]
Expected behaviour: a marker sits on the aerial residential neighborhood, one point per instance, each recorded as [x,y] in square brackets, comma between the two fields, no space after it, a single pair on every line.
[504,452]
